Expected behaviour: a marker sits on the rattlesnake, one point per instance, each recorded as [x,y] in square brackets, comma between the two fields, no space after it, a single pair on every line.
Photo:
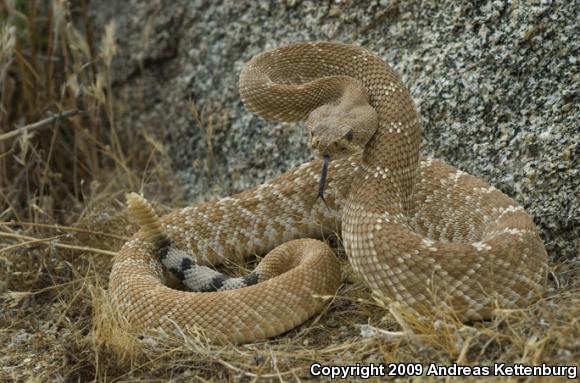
[417,231]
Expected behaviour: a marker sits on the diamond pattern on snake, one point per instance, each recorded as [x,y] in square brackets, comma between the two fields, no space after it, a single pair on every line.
[417,231]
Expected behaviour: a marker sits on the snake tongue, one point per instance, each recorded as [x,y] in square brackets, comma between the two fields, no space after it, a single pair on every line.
[323,174]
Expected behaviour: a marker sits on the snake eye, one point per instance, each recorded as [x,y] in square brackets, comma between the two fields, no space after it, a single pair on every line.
[349,135]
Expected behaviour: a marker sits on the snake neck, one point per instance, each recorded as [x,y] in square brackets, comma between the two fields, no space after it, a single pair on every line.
[391,158]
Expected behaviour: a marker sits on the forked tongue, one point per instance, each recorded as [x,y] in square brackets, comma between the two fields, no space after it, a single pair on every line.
[323,174]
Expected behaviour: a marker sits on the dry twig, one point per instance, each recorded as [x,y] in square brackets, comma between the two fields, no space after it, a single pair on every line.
[39,124]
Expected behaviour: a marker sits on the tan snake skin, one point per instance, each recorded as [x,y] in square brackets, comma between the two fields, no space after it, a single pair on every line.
[417,231]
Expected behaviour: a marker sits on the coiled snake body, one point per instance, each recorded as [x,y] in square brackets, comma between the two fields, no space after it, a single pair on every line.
[417,231]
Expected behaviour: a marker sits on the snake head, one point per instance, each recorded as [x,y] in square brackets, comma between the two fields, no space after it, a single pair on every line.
[343,128]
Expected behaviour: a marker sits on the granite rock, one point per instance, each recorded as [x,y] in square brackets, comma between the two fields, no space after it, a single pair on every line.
[496,83]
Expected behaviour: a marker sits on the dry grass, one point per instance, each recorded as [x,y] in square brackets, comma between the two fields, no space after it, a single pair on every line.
[61,186]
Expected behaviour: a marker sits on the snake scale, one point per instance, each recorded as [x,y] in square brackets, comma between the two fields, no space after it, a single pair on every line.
[417,231]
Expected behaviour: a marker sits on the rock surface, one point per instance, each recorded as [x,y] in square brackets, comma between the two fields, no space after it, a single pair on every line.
[496,84]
